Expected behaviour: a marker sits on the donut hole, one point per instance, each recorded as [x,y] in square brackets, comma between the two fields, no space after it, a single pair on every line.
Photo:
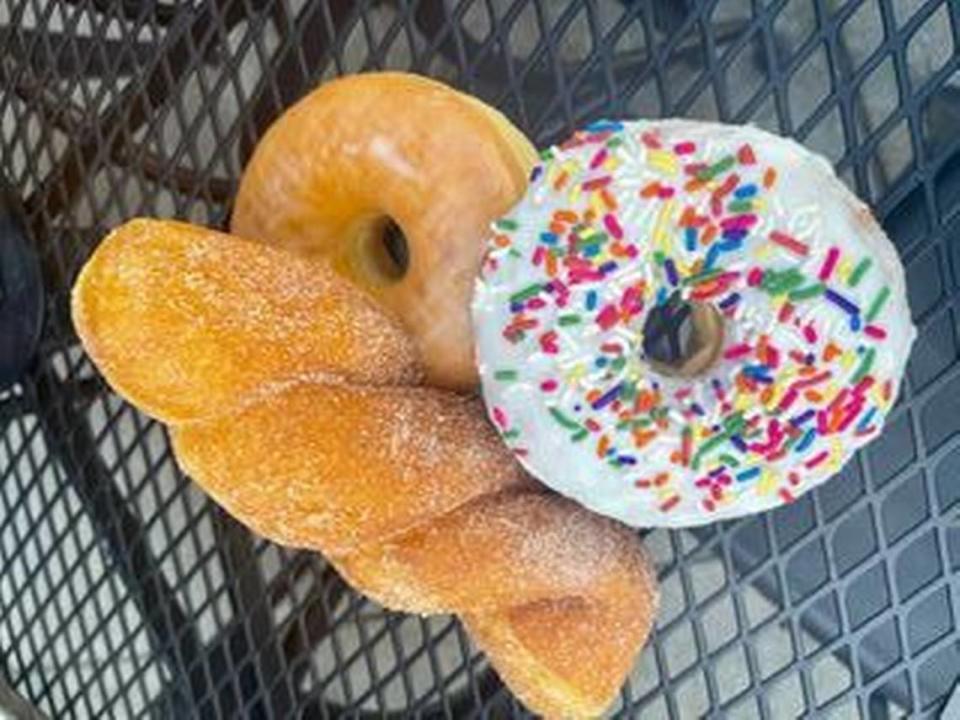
[681,338]
[385,252]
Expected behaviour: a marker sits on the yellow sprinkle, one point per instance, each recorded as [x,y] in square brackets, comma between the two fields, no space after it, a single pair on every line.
[767,483]
[844,268]
[611,163]
[836,453]
[759,204]
[596,204]
[574,194]
[663,219]
[742,402]
[763,251]
[576,372]
[876,392]
[662,160]
[848,359]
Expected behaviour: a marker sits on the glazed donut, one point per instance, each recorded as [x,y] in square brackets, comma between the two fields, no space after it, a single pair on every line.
[683,322]
[370,172]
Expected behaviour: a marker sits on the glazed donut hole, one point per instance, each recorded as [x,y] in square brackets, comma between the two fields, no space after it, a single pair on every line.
[384,252]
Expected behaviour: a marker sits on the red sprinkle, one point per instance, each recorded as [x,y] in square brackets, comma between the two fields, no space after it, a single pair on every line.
[650,140]
[597,183]
[786,495]
[755,277]
[790,243]
[608,317]
[785,312]
[810,334]
[826,270]
[736,351]
[684,148]
[548,342]
[875,331]
[745,155]
[598,159]
[670,503]
[548,385]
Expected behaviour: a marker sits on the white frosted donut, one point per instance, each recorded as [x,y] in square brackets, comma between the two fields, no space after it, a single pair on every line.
[634,218]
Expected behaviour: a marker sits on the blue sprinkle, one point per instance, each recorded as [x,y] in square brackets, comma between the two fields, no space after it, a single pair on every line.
[661,296]
[798,420]
[713,254]
[626,460]
[841,302]
[608,267]
[855,323]
[806,442]
[548,238]
[536,172]
[671,272]
[591,301]
[690,237]
[757,372]
[738,443]
[748,474]
[516,307]
[717,471]
[591,251]
[745,191]
[697,409]
[733,235]
[608,397]
[865,420]
[602,125]
[600,362]
[729,301]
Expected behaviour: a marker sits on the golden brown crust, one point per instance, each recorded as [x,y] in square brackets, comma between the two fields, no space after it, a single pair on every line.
[185,321]
[391,144]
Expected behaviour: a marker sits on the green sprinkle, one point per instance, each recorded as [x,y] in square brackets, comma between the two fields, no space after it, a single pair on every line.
[779,283]
[507,224]
[865,366]
[708,446]
[878,302]
[528,292]
[734,424]
[641,423]
[564,420]
[721,166]
[702,277]
[740,206]
[579,435]
[659,257]
[546,154]
[505,375]
[618,364]
[859,271]
[511,434]
[729,460]
[614,142]
[810,291]
[566,320]
[628,390]
[513,252]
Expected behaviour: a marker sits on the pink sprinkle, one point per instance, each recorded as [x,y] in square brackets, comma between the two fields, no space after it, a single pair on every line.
[500,418]
[665,192]
[684,148]
[788,399]
[738,222]
[786,495]
[650,140]
[608,317]
[822,428]
[810,334]
[875,331]
[785,312]
[610,222]
[755,277]
[632,251]
[819,458]
[833,254]
[548,385]
[548,342]
[536,303]
[736,351]
[539,254]
[598,159]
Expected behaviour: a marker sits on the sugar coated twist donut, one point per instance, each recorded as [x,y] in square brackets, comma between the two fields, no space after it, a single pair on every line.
[683,322]
[293,399]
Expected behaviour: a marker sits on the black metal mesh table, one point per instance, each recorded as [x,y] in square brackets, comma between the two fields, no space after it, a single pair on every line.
[124,592]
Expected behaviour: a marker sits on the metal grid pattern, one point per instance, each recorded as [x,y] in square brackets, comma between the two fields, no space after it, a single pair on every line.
[124,592]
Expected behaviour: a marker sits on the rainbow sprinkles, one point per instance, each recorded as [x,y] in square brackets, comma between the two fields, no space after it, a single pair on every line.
[622,218]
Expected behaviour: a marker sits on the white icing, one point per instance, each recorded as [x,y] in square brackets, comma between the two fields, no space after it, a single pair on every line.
[808,203]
